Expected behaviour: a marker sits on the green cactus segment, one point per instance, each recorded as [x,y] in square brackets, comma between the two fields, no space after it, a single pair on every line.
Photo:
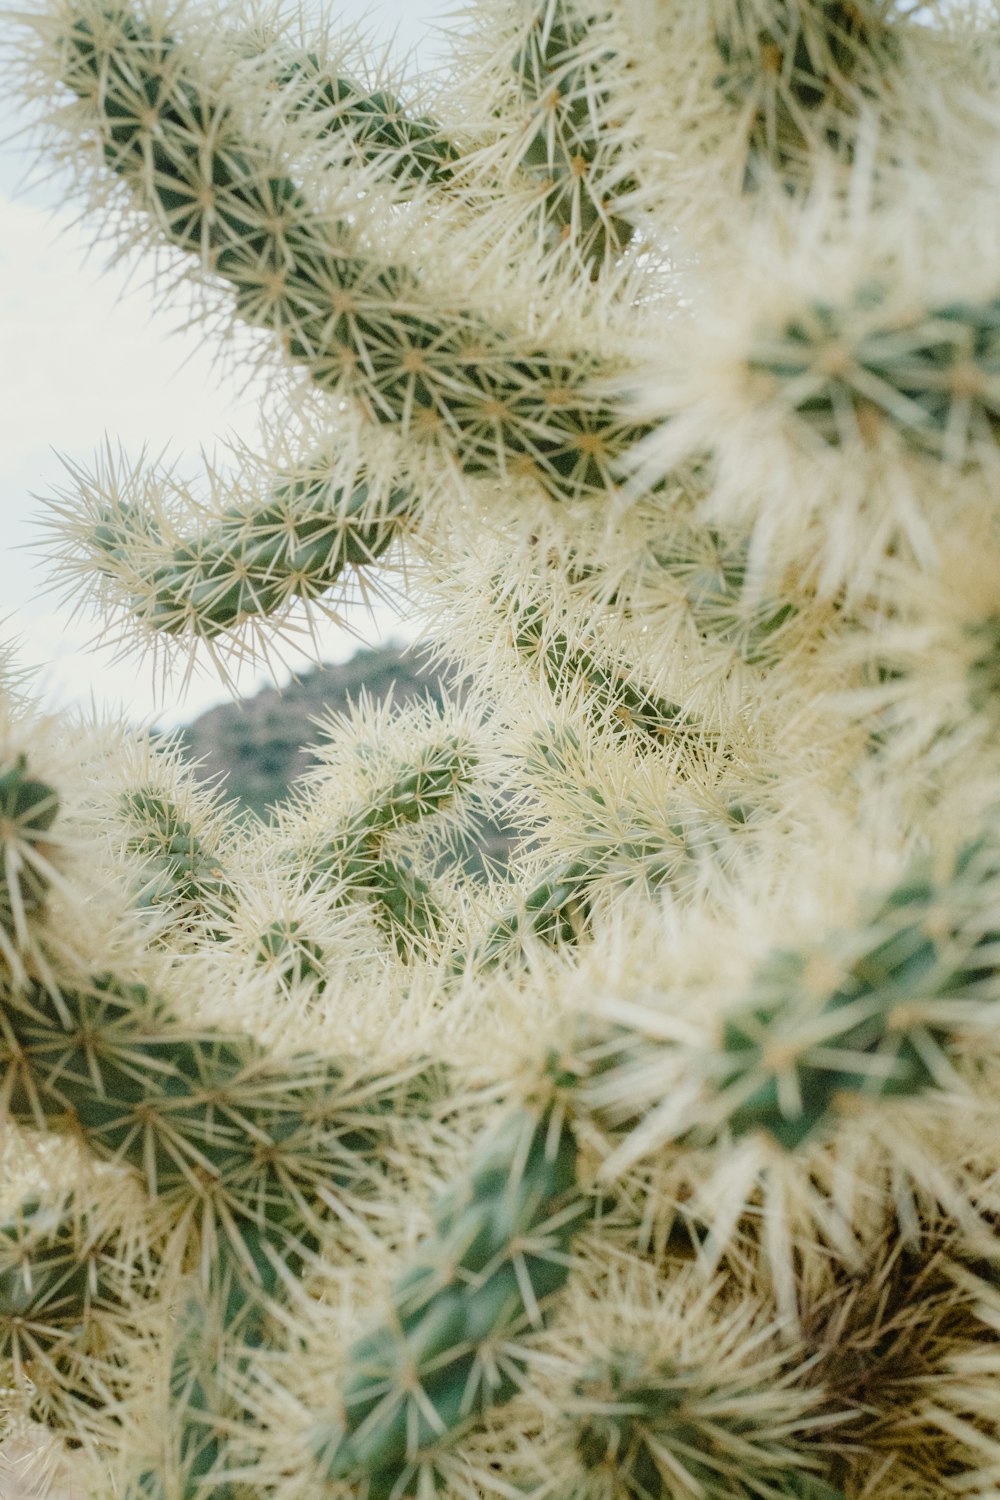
[218,1328]
[255,561]
[295,959]
[611,698]
[400,900]
[569,151]
[402,903]
[357,325]
[556,910]
[207,1122]
[258,559]
[356,860]
[427,786]
[657,1427]
[28,809]
[558,906]
[983,678]
[711,573]
[53,1281]
[661,854]
[61,1289]
[180,875]
[201,1423]
[801,69]
[885,1031]
[499,1251]
[203,1419]
[411,149]
[934,378]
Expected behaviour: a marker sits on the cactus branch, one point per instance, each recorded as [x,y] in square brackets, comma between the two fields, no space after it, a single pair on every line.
[576,158]
[28,809]
[931,378]
[499,406]
[212,1129]
[499,1251]
[377,128]
[801,70]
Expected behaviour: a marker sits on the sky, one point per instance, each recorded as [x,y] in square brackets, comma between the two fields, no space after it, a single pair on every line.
[86,355]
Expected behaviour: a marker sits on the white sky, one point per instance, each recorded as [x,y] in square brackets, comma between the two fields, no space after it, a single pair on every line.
[85,354]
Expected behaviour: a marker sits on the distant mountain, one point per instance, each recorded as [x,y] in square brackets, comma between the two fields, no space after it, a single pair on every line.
[260,743]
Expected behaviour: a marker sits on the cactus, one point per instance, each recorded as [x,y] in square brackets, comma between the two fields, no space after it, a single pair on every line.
[63,1288]
[650,358]
[355,862]
[216,1134]
[801,71]
[848,373]
[883,1032]
[709,572]
[659,848]
[409,148]
[28,809]
[297,958]
[219,1325]
[554,910]
[665,1430]
[878,1012]
[507,407]
[298,544]
[284,538]
[499,1253]
[611,697]
[181,872]
[579,163]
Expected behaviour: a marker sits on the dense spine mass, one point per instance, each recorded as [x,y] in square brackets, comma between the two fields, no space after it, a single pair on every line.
[649,355]
[800,71]
[933,375]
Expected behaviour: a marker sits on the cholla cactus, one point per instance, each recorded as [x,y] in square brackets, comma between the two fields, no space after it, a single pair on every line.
[653,355]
